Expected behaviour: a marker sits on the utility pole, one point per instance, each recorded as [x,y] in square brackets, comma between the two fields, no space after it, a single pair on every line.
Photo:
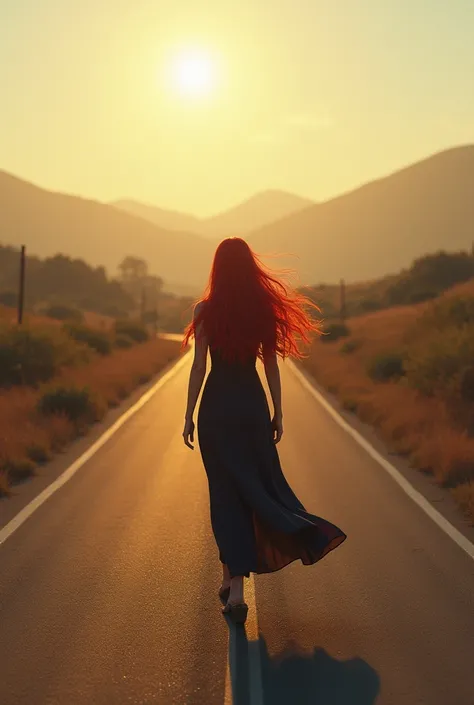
[21,291]
[343,300]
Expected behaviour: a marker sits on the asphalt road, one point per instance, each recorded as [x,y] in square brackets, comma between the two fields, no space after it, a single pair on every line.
[108,591]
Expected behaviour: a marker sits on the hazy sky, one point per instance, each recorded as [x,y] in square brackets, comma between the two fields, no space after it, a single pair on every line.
[312,96]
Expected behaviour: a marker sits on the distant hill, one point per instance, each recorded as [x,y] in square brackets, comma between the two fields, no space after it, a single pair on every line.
[380,227]
[48,223]
[261,209]
[166,219]
[377,229]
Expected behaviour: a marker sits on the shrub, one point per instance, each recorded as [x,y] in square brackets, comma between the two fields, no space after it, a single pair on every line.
[123,341]
[31,356]
[75,403]
[466,384]
[351,346]
[38,453]
[437,362]
[453,311]
[134,329]
[368,305]
[350,404]
[428,276]
[64,313]
[18,470]
[8,299]
[334,332]
[387,366]
[95,339]
[417,297]
[4,484]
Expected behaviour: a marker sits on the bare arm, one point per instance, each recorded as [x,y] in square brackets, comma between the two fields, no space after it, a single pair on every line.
[272,374]
[196,379]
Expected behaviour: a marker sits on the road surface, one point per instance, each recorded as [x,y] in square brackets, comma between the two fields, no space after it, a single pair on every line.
[108,591]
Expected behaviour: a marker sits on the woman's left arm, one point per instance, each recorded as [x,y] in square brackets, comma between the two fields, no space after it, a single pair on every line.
[196,379]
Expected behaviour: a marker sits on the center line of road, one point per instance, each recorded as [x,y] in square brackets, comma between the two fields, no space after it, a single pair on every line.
[406,486]
[249,658]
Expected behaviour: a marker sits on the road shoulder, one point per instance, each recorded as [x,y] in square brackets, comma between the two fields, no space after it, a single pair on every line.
[439,498]
[26,492]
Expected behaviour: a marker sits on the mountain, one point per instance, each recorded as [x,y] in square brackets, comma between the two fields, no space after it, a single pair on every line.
[166,219]
[382,226]
[261,209]
[48,223]
[374,230]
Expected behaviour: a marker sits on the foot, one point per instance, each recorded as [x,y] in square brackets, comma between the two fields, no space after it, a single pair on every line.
[224,592]
[236,594]
[236,613]
[224,589]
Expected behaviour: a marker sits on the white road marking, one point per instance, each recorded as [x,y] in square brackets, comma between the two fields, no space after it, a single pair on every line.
[35,503]
[253,661]
[416,496]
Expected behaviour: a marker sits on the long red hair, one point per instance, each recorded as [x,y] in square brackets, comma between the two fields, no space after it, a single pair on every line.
[247,310]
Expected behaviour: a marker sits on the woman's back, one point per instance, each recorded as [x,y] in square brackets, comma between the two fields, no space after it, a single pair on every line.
[233,390]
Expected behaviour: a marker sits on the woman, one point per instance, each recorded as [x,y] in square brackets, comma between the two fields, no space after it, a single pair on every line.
[259,524]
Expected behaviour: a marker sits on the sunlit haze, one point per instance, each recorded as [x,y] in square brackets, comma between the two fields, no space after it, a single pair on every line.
[192,72]
[196,105]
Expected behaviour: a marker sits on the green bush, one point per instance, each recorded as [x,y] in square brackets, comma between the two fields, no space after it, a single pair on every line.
[123,341]
[30,356]
[437,362]
[134,329]
[430,275]
[64,313]
[334,332]
[75,403]
[350,346]
[97,340]
[387,366]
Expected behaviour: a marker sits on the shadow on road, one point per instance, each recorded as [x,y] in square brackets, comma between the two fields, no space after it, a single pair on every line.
[298,677]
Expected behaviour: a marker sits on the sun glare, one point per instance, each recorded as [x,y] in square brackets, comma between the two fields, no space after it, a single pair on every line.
[193,73]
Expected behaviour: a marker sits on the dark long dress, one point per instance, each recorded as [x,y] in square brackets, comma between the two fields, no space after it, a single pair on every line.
[259,524]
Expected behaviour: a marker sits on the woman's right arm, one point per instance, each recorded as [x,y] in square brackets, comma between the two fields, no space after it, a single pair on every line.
[272,373]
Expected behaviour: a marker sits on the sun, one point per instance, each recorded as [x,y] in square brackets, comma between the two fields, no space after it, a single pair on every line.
[193,73]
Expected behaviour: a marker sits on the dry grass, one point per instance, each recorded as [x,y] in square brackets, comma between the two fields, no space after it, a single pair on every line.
[464,495]
[9,315]
[424,429]
[97,320]
[28,438]
[93,320]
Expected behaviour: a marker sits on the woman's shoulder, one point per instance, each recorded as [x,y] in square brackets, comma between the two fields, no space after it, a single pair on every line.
[199,308]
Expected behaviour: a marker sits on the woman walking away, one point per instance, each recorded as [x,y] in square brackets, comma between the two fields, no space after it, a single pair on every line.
[259,524]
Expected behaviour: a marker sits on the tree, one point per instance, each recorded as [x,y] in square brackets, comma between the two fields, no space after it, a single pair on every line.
[145,288]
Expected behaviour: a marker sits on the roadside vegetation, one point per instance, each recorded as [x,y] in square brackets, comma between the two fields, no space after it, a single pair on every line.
[70,290]
[427,278]
[60,375]
[409,371]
